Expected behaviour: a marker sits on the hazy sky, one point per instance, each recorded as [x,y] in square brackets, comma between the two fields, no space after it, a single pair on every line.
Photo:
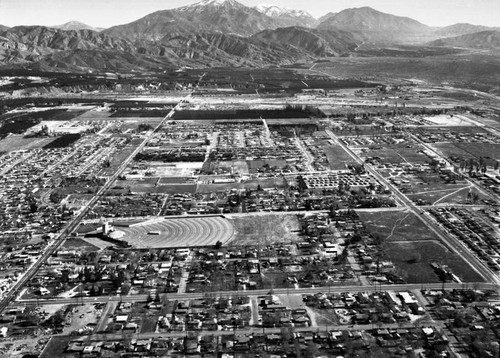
[106,13]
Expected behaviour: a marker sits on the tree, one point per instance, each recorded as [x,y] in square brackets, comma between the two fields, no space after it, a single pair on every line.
[33,207]
[473,197]
[57,319]
[416,257]
[30,318]
[425,320]
[286,336]
[150,297]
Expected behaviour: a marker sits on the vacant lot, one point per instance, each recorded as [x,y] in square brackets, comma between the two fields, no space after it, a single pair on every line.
[56,346]
[337,157]
[265,229]
[413,261]
[79,245]
[439,194]
[396,226]
[470,150]
[488,150]
[143,186]
[413,247]
[397,154]
[249,184]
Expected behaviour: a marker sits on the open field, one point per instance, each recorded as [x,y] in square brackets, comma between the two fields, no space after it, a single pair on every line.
[155,185]
[116,159]
[17,142]
[396,226]
[397,154]
[464,151]
[337,157]
[446,120]
[177,232]
[80,245]
[491,150]
[413,261]
[182,169]
[265,229]
[439,194]
[56,345]
[249,184]
[412,247]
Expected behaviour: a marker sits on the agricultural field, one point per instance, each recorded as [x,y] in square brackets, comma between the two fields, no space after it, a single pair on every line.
[18,123]
[140,113]
[239,114]
[18,142]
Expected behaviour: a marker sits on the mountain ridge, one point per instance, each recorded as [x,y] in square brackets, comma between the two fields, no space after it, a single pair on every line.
[462,29]
[376,26]
[288,17]
[220,33]
[76,25]
[483,39]
[225,16]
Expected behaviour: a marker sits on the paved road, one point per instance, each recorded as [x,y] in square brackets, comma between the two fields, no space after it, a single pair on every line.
[309,158]
[277,291]
[103,321]
[231,215]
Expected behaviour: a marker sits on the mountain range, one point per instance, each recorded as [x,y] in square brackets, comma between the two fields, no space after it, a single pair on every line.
[482,39]
[375,26]
[76,25]
[222,33]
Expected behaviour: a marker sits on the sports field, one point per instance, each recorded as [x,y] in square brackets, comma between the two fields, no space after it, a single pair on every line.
[177,232]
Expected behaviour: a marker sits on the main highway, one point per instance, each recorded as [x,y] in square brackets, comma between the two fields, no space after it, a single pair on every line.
[275,291]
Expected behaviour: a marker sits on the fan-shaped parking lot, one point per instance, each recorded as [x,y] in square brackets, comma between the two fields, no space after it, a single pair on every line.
[178,232]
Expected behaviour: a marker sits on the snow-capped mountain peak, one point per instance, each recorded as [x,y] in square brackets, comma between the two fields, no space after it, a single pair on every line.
[275,11]
[214,3]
